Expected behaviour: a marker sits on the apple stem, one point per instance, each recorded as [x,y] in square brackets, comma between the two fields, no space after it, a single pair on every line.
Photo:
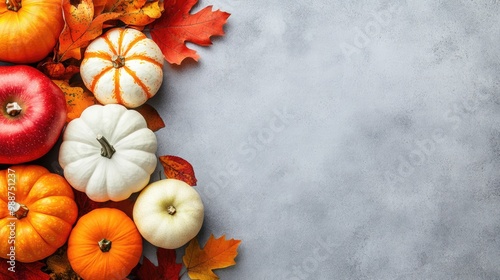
[118,61]
[171,210]
[107,149]
[13,5]
[13,109]
[104,245]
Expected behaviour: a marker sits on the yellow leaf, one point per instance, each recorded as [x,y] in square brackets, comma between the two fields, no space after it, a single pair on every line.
[217,253]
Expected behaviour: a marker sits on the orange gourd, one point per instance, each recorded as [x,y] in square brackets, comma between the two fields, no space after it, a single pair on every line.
[37,212]
[104,244]
[29,29]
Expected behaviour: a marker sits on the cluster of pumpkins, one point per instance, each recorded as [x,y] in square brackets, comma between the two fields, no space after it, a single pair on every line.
[108,153]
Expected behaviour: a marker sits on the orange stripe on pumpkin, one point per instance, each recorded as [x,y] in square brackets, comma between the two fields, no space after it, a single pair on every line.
[98,54]
[120,42]
[138,81]
[109,43]
[145,58]
[133,42]
[118,93]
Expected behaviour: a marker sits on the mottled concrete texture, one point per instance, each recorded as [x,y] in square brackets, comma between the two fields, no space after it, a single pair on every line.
[346,140]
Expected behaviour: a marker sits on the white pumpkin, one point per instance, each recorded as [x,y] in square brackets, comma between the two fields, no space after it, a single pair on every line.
[108,153]
[122,66]
[168,213]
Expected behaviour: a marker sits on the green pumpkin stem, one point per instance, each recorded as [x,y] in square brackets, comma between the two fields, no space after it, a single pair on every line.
[107,149]
[13,5]
[104,245]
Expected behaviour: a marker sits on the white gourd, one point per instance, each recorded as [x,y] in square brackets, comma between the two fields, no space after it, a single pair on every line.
[89,163]
[122,66]
[168,213]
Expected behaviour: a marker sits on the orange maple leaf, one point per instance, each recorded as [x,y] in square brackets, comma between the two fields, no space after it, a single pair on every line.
[217,253]
[177,26]
[178,168]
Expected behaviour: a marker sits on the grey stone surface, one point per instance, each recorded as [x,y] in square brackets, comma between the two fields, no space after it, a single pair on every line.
[346,140]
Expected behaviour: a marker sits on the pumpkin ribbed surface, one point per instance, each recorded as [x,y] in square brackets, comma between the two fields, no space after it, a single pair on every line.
[30,33]
[123,66]
[125,171]
[104,244]
[51,212]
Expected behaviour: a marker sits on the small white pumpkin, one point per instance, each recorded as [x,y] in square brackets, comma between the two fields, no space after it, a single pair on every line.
[108,153]
[168,213]
[122,66]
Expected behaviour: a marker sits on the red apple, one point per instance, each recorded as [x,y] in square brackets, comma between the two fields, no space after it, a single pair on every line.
[32,114]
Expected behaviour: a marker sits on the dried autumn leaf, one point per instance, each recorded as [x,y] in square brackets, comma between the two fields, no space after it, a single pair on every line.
[153,119]
[178,168]
[167,269]
[100,5]
[59,266]
[135,13]
[217,253]
[57,70]
[77,99]
[177,26]
[25,271]
[80,28]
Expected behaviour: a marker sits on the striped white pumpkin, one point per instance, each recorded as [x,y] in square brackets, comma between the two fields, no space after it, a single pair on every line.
[123,66]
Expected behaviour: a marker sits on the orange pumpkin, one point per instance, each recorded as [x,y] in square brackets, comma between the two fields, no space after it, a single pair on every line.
[29,29]
[104,244]
[37,212]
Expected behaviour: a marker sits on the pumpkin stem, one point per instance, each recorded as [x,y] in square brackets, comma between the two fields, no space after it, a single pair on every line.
[13,109]
[104,245]
[118,61]
[171,210]
[19,210]
[13,5]
[107,149]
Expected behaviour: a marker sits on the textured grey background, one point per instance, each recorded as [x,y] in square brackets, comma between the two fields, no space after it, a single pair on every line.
[346,140]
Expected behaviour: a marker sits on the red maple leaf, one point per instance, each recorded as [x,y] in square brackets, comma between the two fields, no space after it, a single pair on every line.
[167,268]
[25,271]
[177,26]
